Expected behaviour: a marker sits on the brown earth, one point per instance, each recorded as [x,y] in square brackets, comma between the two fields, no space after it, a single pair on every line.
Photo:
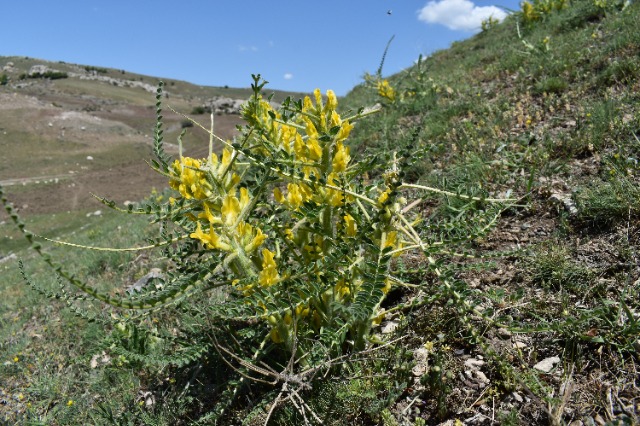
[77,147]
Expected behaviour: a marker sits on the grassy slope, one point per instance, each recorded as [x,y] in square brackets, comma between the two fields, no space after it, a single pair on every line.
[555,122]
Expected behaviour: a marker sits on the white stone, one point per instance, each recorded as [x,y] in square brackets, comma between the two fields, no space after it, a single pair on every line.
[546,365]
[389,327]
[474,363]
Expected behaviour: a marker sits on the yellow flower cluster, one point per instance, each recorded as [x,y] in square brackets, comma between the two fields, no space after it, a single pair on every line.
[386,91]
[188,178]
[222,210]
[314,154]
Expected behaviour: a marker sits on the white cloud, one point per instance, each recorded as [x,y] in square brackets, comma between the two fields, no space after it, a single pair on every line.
[458,14]
[288,76]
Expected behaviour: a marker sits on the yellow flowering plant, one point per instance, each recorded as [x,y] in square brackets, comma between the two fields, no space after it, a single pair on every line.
[299,235]
[284,210]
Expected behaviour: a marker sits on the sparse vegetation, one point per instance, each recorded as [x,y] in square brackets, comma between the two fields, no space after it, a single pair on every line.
[51,75]
[528,314]
[99,70]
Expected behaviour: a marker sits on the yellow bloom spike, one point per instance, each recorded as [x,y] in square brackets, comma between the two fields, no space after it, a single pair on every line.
[310,128]
[342,288]
[387,286]
[210,240]
[318,95]
[332,101]
[300,148]
[307,106]
[336,120]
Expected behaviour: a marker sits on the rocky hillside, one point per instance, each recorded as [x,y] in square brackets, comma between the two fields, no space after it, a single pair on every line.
[69,130]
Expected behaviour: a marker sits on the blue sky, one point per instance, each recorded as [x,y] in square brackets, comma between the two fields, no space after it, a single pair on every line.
[295,45]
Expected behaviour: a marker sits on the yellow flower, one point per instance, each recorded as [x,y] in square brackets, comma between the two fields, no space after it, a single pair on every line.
[298,194]
[342,288]
[275,335]
[345,130]
[269,274]
[350,225]
[378,318]
[341,158]
[302,311]
[277,194]
[230,209]
[252,237]
[310,128]
[387,286]
[210,240]
[189,180]
[314,148]
[335,119]
[383,197]
[208,215]
[70,403]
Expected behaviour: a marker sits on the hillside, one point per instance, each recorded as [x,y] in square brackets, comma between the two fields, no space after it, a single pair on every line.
[69,130]
[519,155]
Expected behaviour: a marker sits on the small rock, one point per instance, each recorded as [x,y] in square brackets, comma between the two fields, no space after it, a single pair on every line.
[154,274]
[90,158]
[421,357]
[504,333]
[481,377]
[566,201]
[517,397]
[474,363]
[519,345]
[546,365]
[389,327]
[7,258]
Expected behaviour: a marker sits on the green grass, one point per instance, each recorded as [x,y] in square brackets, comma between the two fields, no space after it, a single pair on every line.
[497,113]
